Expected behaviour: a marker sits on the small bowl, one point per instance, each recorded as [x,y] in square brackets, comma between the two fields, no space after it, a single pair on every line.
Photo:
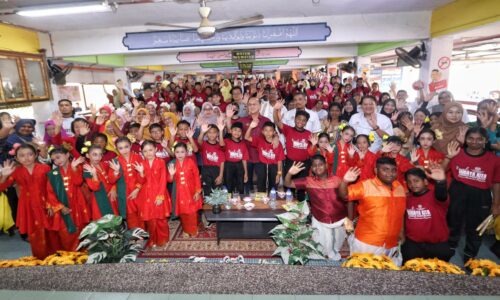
[281,195]
[247,199]
[265,200]
[249,205]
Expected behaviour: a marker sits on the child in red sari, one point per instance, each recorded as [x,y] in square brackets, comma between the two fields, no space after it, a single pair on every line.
[425,154]
[103,197]
[32,210]
[64,196]
[343,153]
[364,159]
[320,144]
[392,149]
[155,205]
[123,173]
[187,189]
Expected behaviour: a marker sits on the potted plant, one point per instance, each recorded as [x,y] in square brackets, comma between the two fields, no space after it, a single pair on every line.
[216,199]
[108,241]
[294,236]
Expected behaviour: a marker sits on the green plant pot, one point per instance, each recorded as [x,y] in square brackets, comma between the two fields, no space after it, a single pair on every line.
[216,209]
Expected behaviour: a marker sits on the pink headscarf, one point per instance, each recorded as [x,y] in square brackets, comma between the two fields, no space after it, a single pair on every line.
[51,140]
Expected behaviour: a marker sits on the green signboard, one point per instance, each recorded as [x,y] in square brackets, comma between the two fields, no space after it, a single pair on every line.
[245,67]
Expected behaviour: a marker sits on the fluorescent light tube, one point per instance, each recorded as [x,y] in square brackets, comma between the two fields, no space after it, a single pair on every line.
[67,9]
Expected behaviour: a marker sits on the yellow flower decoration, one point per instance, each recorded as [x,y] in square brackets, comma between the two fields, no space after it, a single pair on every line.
[88,143]
[427,120]
[439,134]
[385,137]
[131,137]
[173,146]
[371,137]
[85,150]
[342,126]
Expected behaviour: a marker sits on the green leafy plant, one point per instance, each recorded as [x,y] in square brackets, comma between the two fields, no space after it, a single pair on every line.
[217,197]
[109,241]
[294,236]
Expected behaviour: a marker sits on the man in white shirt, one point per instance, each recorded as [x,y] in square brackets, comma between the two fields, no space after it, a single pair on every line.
[267,106]
[370,121]
[313,125]
[66,109]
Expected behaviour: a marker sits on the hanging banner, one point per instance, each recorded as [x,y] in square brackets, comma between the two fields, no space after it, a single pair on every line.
[221,55]
[283,33]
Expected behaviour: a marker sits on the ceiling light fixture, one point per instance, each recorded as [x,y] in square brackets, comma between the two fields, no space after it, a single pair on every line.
[73,8]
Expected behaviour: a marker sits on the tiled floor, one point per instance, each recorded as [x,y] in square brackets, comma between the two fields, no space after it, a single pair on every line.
[44,295]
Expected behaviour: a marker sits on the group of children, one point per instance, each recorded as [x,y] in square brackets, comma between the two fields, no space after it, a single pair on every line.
[158,166]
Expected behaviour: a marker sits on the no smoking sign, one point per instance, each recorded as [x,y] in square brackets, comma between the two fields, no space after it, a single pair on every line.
[444,62]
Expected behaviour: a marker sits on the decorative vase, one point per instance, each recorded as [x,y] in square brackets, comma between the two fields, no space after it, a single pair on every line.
[216,209]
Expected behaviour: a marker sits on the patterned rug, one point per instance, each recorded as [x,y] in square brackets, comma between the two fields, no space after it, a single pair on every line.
[205,244]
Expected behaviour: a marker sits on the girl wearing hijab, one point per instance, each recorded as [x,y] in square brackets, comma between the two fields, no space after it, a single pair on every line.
[207,115]
[449,127]
[52,134]
[350,108]
[23,133]
[226,90]
[389,110]
[188,113]
[169,120]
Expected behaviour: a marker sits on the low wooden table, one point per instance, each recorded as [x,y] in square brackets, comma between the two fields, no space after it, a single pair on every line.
[244,224]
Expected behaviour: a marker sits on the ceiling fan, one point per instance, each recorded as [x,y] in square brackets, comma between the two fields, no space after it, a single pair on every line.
[207,29]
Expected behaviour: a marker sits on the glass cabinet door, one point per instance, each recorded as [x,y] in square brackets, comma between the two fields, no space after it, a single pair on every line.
[36,78]
[10,78]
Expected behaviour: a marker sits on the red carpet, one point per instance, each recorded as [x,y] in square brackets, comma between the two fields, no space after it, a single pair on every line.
[205,244]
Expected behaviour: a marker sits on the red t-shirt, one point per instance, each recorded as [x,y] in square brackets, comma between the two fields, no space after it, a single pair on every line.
[296,143]
[326,207]
[478,171]
[152,99]
[235,151]
[199,98]
[212,154]
[425,220]
[327,99]
[267,154]
[257,131]
[222,106]
[312,97]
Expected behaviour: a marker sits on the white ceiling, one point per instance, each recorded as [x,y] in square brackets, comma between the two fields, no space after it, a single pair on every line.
[186,11]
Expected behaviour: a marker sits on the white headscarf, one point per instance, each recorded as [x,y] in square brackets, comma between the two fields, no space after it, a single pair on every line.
[189,117]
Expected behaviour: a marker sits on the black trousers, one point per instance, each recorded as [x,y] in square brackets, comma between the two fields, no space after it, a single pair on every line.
[299,194]
[266,176]
[234,176]
[249,185]
[411,249]
[13,200]
[208,175]
[469,206]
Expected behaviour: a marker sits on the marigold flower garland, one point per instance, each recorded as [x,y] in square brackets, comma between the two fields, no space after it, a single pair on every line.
[59,258]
